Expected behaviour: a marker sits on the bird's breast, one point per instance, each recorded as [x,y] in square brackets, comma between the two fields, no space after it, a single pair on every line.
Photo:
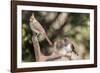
[68,49]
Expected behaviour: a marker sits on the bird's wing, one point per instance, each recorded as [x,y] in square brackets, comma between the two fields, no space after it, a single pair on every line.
[34,29]
[39,27]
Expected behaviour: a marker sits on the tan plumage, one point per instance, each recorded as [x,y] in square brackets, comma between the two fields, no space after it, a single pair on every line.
[37,28]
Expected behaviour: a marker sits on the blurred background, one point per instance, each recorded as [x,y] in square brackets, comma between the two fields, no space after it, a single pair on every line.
[57,25]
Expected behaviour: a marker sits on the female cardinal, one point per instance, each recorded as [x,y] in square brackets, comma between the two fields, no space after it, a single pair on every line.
[37,28]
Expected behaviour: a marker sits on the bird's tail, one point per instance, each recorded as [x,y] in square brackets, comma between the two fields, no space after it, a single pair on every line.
[50,43]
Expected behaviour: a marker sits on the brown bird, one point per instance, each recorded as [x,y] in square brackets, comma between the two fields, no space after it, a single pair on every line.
[64,47]
[37,28]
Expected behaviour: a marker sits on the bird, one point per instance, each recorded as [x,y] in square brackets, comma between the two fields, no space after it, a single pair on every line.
[69,46]
[37,28]
[65,48]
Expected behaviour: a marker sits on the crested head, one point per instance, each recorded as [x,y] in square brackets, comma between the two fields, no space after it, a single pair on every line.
[32,18]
